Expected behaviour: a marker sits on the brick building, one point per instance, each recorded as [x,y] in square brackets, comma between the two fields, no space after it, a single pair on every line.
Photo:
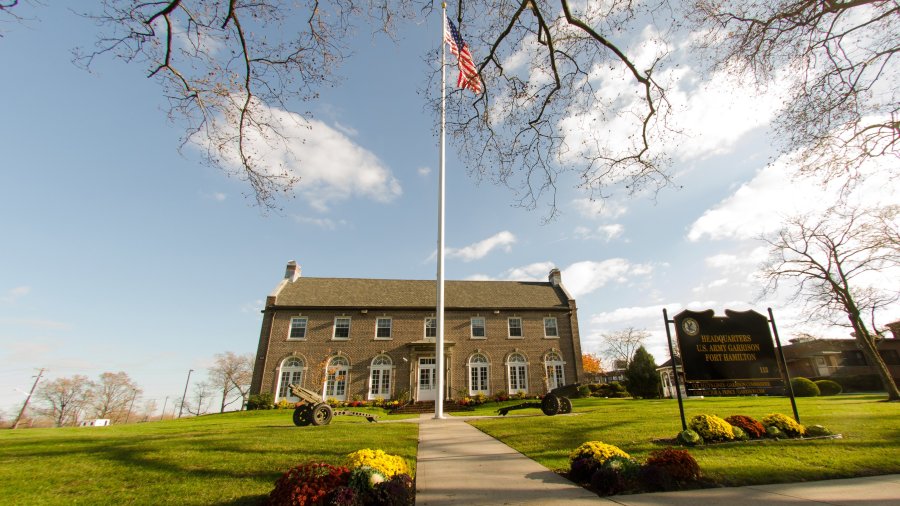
[375,338]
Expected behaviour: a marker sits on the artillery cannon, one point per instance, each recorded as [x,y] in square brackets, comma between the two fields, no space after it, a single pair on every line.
[555,402]
[313,410]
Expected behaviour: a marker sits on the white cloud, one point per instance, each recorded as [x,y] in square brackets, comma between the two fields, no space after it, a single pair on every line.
[331,167]
[758,206]
[424,171]
[633,314]
[584,277]
[604,232]
[326,223]
[502,240]
[729,262]
[598,208]
[14,294]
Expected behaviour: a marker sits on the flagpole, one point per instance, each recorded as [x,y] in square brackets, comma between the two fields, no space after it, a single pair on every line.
[439,339]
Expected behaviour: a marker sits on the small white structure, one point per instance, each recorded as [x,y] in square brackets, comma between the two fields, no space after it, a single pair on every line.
[97,422]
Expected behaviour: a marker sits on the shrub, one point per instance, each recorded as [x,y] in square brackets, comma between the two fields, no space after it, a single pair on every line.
[388,465]
[750,426]
[398,491]
[627,467]
[656,478]
[581,469]
[712,428]
[804,388]
[307,484]
[680,465]
[817,431]
[284,404]
[364,478]
[828,387]
[607,481]
[613,390]
[598,451]
[689,438]
[739,434]
[784,424]
[584,391]
[259,401]
[773,432]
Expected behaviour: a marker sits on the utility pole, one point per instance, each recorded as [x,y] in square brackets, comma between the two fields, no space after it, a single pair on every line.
[163,412]
[15,424]
[133,397]
[186,383]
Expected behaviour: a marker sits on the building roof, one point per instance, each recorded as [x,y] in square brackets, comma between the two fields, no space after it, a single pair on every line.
[400,293]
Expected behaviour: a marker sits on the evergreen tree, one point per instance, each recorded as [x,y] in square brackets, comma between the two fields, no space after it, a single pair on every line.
[641,377]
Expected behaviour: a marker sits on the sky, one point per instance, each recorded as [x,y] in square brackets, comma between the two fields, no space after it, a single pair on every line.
[122,253]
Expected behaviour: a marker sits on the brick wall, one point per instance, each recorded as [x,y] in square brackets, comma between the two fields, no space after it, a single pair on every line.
[408,342]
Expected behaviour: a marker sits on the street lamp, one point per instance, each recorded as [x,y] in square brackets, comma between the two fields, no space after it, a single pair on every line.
[185,392]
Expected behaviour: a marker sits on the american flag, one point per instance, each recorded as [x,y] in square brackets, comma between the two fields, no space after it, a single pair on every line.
[468,76]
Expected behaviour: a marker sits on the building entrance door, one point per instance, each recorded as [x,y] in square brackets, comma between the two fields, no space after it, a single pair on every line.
[427,390]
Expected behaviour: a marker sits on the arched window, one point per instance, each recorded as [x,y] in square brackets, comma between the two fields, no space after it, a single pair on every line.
[556,374]
[517,372]
[337,376]
[478,375]
[290,372]
[380,377]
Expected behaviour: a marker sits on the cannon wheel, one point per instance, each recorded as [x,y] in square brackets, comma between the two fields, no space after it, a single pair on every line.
[321,414]
[565,405]
[301,416]
[550,404]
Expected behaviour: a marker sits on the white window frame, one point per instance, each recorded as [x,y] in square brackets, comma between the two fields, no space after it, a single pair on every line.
[509,327]
[483,327]
[390,328]
[336,372]
[305,327]
[334,335]
[288,374]
[380,377]
[481,367]
[425,332]
[517,373]
[555,327]
[555,368]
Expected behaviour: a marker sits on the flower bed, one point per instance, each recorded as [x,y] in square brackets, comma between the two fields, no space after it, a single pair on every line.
[372,477]
[608,470]
[705,429]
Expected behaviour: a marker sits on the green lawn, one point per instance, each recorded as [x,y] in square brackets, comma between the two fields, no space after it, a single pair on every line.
[870,429]
[233,458]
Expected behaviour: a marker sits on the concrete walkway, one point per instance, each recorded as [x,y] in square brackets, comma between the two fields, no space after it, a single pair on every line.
[460,465]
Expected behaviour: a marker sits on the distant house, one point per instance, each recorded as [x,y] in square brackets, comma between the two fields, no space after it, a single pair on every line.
[375,338]
[97,422]
[667,378]
[841,359]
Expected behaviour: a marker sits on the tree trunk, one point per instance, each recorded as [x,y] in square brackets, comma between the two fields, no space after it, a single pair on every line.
[867,344]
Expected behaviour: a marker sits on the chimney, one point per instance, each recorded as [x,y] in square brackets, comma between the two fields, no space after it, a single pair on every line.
[292,272]
[555,277]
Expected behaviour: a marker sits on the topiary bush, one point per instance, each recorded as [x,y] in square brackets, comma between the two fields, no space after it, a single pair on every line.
[804,388]
[598,451]
[712,428]
[680,465]
[750,426]
[784,424]
[307,484]
[828,387]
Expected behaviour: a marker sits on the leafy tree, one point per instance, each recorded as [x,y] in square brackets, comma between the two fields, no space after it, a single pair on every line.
[840,63]
[837,265]
[112,395]
[231,375]
[592,365]
[641,377]
[63,399]
[621,345]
